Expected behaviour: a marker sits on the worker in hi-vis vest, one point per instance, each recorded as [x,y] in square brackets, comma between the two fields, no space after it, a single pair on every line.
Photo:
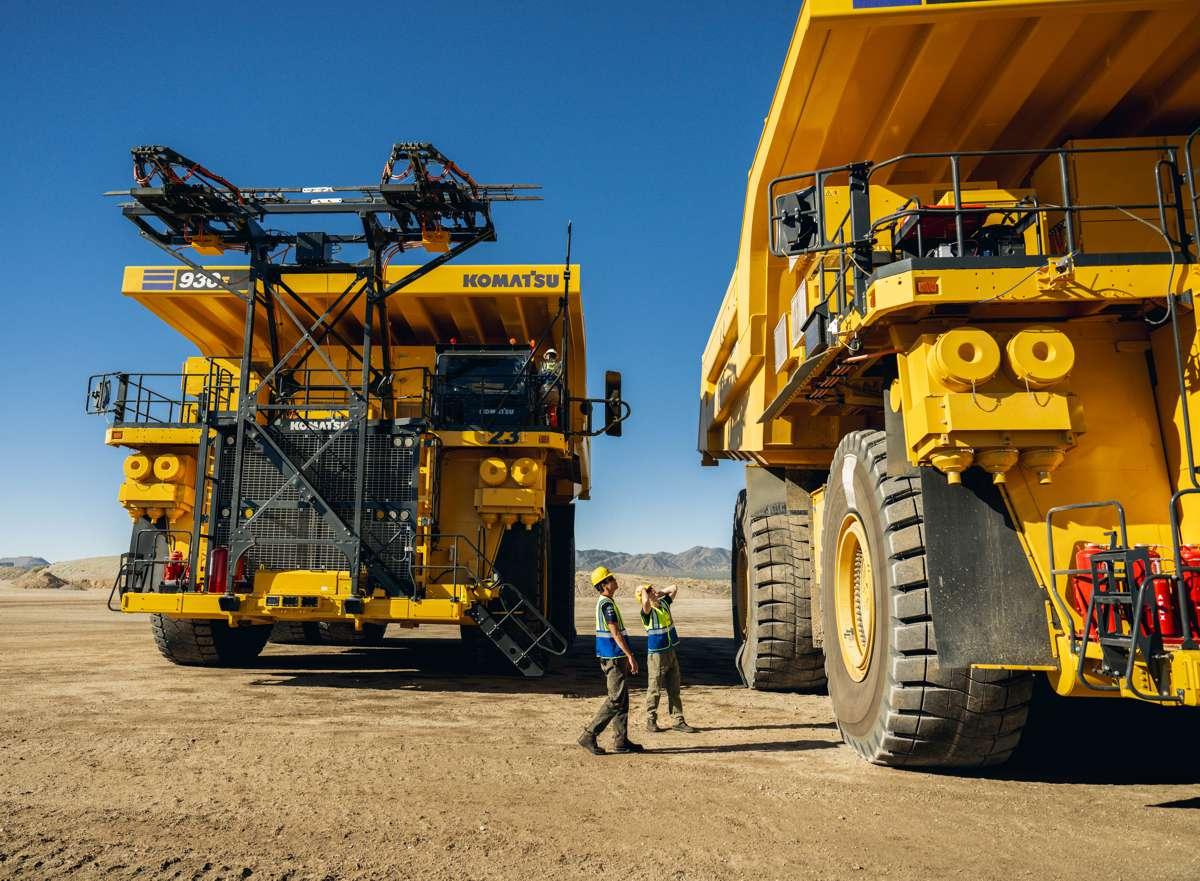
[662,664]
[618,663]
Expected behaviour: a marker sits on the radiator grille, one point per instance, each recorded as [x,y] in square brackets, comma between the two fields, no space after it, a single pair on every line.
[290,534]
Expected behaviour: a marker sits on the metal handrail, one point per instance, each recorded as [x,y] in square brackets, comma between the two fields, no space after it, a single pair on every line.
[1191,179]
[139,562]
[137,398]
[863,236]
[1060,605]
[1134,626]
[474,578]
[300,391]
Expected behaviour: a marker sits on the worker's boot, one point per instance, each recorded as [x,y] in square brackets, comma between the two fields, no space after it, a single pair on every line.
[587,740]
[651,725]
[628,746]
[684,727]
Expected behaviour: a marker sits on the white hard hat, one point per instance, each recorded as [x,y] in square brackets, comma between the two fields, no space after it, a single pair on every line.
[551,355]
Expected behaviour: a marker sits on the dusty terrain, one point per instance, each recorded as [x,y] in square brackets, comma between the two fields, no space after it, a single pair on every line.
[82,574]
[390,763]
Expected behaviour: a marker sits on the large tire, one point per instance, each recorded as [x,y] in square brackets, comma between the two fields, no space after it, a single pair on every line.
[208,643]
[561,584]
[772,614]
[343,633]
[894,702]
[296,633]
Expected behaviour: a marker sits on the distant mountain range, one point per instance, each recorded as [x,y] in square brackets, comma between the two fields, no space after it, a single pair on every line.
[697,562]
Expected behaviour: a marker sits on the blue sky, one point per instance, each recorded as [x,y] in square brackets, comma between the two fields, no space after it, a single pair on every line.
[639,120]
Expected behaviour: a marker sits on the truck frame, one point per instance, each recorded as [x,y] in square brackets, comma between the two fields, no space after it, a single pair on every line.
[358,443]
[957,356]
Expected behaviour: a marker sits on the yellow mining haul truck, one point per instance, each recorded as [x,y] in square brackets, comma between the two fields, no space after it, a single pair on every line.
[958,356]
[356,443]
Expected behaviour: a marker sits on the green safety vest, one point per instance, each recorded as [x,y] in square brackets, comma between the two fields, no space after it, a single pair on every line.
[660,628]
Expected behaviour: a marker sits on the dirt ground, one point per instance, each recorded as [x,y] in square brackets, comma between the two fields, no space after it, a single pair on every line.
[390,763]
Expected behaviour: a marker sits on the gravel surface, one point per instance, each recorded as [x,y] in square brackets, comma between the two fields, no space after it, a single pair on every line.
[326,764]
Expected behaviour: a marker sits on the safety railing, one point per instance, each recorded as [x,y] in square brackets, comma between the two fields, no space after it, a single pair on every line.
[526,402]
[1031,227]
[316,394]
[159,398]
[465,562]
[154,564]
[1189,167]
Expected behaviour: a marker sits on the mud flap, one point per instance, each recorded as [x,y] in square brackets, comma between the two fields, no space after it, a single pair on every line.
[987,606]
[764,490]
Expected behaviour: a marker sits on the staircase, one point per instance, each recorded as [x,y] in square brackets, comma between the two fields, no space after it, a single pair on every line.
[520,631]
[1121,618]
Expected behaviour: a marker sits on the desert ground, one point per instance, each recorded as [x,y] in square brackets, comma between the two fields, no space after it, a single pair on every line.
[333,764]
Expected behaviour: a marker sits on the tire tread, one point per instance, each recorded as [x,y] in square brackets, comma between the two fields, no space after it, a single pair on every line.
[198,643]
[934,716]
[779,562]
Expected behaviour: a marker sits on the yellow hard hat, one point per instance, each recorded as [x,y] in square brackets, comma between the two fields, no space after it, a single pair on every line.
[599,575]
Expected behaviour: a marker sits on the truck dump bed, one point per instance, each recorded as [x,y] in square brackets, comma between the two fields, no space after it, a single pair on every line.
[868,80]
[468,304]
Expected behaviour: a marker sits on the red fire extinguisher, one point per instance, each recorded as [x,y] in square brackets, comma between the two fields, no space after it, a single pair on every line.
[1164,604]
[173,571]
[218,570]
[1189,556]
[1081,583]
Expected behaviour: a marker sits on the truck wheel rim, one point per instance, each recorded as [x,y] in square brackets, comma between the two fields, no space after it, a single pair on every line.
[854,600]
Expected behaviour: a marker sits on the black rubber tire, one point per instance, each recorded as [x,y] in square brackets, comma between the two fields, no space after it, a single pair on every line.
[343,633]
[296,633]
[561,584]
[908,710]
[208,643]
[772,552]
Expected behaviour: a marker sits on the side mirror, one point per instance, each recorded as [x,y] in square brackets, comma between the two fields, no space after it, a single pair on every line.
[612,403]
[798,220]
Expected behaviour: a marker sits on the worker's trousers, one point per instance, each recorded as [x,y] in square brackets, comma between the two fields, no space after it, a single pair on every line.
[663,672]
[616,706]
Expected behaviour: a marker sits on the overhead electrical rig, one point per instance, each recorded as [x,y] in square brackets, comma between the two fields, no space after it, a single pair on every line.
[423,200]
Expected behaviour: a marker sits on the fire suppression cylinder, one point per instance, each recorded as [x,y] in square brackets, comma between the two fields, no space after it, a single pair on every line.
[1081,582]
[1190,557]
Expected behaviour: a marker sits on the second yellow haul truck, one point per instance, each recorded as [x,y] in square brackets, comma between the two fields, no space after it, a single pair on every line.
[357,443]
[958,356]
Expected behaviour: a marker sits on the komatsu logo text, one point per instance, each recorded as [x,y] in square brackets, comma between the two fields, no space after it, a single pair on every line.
[510,279]
[316,425]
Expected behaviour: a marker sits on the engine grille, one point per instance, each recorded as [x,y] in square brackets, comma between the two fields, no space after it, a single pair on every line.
[290,534]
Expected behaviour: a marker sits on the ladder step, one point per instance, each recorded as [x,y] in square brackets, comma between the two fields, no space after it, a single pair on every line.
[1117,642]
[514,638]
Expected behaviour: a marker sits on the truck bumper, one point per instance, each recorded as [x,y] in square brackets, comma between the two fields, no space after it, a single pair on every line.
[259,608]
[1180,669]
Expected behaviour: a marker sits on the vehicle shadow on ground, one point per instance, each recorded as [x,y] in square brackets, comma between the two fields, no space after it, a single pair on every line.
[786,746]
[1105,740]
[1192,804]
[832,726]
[436,664]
